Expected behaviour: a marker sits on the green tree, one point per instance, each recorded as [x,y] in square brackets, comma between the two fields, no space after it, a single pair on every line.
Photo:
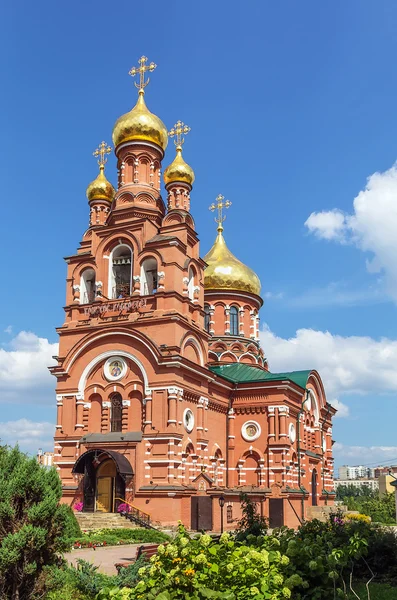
[32,522]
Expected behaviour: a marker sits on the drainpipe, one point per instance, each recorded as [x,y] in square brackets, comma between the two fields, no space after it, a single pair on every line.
[230,405]
[322,448]
[302,410]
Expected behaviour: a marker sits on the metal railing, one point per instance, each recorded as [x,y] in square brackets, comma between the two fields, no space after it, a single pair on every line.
[134,514]
[121,290]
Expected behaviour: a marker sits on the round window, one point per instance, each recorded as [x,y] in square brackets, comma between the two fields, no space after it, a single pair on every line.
[188,420]
[292,433]
[115,368]
[250,431]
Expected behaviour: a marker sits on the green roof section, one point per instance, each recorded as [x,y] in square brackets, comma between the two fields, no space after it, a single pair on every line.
[242,373]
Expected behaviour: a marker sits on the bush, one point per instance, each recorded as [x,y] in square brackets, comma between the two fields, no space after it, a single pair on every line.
[322,556]
[251,523]
[32,523]
[200,568]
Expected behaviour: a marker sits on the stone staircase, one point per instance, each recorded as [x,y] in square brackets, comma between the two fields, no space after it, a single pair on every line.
[102,520]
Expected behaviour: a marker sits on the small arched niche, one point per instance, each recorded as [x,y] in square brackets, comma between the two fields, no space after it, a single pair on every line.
[191,284]
[207,318]
[120,272]
[87,286]
[149,277]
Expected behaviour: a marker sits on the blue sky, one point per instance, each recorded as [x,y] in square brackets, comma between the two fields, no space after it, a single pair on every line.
[292,109]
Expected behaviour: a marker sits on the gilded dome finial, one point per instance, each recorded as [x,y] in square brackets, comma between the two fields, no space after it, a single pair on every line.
[139,124]
[219,206]
[224,271]
[177,131]
[101,188]
[141,70]
[101,152]
[179,170]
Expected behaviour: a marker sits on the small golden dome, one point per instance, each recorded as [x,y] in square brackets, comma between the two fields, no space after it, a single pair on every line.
[100,188]
[179,170]
[226,272]
[140,124]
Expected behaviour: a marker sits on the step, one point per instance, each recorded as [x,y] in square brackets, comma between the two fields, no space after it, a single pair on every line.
[92,521]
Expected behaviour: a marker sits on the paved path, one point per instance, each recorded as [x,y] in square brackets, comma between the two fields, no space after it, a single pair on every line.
[104,557]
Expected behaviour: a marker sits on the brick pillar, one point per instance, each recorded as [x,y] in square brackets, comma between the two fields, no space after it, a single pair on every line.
[172,402]
[148,411]
[59,413]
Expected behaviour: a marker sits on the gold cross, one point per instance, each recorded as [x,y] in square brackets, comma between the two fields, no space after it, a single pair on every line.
[101,152]
[220,205]
[141,70]
[178,130]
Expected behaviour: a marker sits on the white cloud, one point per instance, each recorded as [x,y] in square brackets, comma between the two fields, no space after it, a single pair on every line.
[273,295]
[372,226]
[365,455]
[24,375]
[328,225]
[343,409]
[29,434]
[352,364]
[8,329]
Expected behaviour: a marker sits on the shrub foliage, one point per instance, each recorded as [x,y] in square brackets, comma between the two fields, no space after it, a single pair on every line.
[32,523]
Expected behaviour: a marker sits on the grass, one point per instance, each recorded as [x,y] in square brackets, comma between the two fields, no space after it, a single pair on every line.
[378,591]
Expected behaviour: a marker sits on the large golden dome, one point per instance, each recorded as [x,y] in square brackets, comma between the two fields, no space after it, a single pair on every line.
[179,170]
[100,188]
[140,124]
[226,272]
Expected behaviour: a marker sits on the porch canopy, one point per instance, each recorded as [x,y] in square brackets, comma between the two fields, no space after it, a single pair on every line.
[123,465]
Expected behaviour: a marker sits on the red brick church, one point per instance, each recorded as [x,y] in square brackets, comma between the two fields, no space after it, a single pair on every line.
[165,399]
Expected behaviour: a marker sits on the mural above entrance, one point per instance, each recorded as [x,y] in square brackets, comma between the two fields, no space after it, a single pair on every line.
[115,368]
[250,431]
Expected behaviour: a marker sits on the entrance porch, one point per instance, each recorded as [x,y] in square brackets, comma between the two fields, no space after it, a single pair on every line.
[105,474]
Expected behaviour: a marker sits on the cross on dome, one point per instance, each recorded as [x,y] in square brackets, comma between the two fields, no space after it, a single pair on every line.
[141,70]
[219,205]
[101,152]
[178,130]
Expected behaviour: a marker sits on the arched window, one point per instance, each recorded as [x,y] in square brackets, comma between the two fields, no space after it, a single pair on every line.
[120,272]
[116,412]
[87,286]
[191,284]
[149,277]
[234,321]
[207,317]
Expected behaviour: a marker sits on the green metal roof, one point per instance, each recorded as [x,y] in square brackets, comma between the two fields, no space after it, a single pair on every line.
[242,373]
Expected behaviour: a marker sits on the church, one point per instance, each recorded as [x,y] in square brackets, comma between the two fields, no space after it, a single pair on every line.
[165,400]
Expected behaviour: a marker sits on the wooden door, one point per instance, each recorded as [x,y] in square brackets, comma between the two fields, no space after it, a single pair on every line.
[201,513]
[89,487]
[104,494]
[276,512]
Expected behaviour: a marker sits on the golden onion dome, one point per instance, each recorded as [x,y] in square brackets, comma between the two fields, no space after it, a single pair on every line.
[100,188]
[140,124]
[226,272]
[179,170]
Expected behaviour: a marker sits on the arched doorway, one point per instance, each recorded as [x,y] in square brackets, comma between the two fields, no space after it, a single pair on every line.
[314,487]
[105,486]
[105,477]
